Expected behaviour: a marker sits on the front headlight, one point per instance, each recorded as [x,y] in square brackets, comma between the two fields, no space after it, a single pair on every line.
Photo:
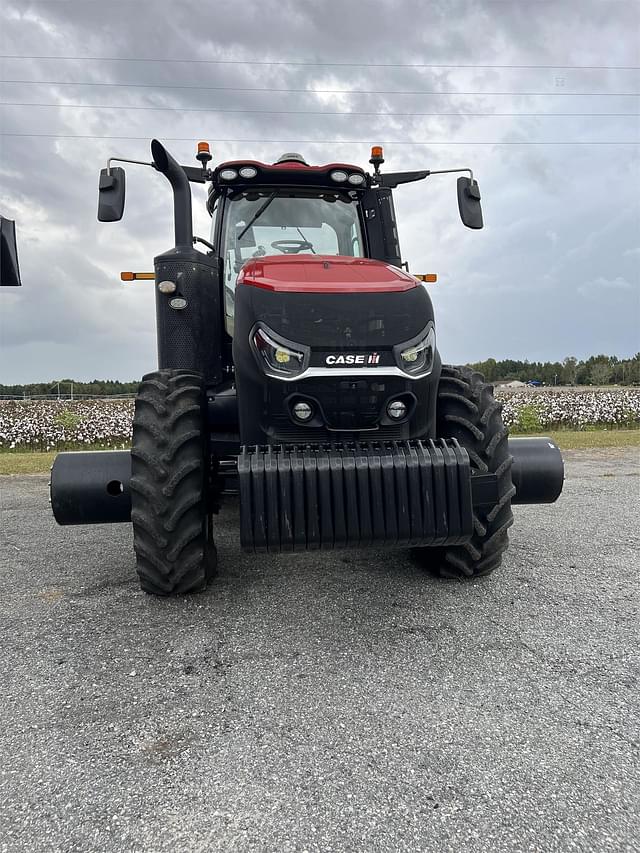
[416,356]
[278,358]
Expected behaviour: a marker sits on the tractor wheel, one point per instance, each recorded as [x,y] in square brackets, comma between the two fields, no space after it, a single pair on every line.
[172,539]
[468,411]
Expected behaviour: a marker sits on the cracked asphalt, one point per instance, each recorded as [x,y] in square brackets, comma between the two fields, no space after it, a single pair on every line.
[326,701]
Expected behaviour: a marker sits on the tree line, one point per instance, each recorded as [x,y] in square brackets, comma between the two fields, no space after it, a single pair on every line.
[70,388]
[596,370]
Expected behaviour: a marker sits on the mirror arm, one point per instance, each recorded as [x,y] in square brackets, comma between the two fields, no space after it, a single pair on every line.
[450,171]
[195,175]
[392,179]
[122,160]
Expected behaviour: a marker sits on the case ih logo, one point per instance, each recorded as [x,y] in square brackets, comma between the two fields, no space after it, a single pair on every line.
[359,359]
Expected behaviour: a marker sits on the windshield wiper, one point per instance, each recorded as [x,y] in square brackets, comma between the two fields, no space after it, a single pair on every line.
[258,213]
[313,251]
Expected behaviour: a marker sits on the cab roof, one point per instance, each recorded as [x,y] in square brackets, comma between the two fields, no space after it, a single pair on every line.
[287,165]
[289,172]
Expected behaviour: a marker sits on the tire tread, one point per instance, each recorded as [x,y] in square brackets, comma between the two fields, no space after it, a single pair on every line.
[468,412]
[174,552]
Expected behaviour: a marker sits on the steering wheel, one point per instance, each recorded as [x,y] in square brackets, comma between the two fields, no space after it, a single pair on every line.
[292,247]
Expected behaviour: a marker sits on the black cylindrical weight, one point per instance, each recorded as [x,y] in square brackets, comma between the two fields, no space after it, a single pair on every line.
[91,487]
[538,470]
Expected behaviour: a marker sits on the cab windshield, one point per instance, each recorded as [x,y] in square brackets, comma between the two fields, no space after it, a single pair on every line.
[282,222]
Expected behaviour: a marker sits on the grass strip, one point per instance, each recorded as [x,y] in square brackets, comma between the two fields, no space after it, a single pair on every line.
[36,462]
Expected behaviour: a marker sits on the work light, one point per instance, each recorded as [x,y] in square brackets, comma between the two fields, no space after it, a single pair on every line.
[302,411]
[397,409]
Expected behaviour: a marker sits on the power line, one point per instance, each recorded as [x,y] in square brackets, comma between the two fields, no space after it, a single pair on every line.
[306,112]
[313,91]
[312,141]
[307,64]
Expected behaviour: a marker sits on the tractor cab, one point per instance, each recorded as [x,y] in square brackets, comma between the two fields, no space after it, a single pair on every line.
[287,208]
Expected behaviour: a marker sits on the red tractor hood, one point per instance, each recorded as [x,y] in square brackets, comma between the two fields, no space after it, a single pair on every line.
[324,274]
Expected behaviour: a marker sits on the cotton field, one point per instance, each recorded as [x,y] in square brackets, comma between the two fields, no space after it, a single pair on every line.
[572,408]
[53,424]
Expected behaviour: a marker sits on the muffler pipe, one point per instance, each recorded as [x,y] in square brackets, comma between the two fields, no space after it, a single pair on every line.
[175,174]
[537,471]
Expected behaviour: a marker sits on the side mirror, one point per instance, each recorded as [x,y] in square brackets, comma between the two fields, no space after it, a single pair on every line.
[9,270]
[111,194]
[469,203]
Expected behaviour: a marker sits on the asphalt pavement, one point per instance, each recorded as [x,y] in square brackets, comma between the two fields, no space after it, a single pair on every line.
[339,701]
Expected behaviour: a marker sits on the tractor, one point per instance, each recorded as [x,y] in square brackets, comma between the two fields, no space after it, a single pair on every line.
[298,368]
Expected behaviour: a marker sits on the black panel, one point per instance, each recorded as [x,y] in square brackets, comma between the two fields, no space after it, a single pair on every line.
[190,338]
[381,227]
[9,269]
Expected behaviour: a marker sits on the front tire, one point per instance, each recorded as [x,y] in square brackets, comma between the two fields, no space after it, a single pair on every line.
[468,412]
[175,553]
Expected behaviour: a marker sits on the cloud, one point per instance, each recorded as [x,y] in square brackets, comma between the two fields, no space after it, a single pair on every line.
[558,217]
[599,285]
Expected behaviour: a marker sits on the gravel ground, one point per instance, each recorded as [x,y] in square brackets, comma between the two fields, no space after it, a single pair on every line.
[329,702]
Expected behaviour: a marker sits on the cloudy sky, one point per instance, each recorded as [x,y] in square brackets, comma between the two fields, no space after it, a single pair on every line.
[441,83]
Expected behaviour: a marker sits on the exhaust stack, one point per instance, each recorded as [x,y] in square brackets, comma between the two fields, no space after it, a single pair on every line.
[175,174]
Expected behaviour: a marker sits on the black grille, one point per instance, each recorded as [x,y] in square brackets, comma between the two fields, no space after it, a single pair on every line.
[351,320]
[333,329]
[347,404]
[282,429]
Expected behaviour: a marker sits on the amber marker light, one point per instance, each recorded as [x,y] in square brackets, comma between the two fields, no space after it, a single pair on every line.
[429,278]
[137,276]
